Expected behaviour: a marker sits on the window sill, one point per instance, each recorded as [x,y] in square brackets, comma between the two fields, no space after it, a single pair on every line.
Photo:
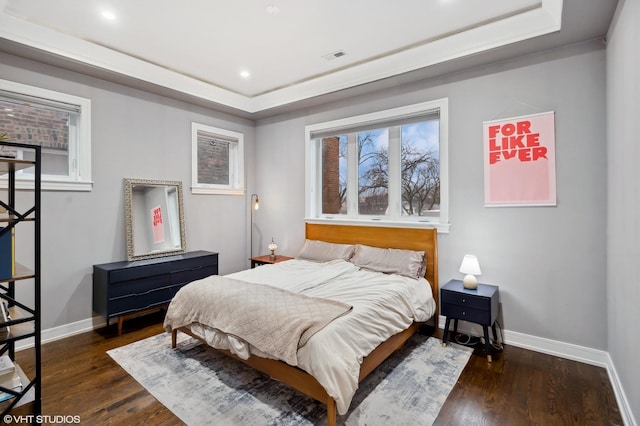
[442,228]
[51,185]
[219,191]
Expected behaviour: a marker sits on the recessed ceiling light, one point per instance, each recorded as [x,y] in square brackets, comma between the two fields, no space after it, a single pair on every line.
[108,14]
[245,74]
[272,9]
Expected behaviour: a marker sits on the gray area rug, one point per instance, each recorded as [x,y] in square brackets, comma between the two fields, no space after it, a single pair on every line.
[203,387]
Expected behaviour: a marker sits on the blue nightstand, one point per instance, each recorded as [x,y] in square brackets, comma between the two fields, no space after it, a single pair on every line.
[479,306]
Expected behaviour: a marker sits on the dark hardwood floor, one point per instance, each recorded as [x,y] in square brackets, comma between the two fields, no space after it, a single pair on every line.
[520,387]
[523,387]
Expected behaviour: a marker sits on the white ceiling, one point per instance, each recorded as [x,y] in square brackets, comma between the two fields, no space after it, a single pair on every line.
[199,48]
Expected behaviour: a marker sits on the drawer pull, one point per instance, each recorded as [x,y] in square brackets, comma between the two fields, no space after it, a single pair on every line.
[464,300]
[464,313]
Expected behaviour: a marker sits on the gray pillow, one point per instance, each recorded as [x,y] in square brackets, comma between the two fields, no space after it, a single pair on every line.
[408,263]
[322,251]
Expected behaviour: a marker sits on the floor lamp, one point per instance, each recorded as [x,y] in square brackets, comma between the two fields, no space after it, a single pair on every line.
[254,205]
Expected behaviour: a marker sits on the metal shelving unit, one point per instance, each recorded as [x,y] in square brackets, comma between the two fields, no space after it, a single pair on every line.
[25,322]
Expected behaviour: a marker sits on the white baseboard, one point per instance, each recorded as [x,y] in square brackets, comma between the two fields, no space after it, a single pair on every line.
[570,351]
[67,330]
[621,397]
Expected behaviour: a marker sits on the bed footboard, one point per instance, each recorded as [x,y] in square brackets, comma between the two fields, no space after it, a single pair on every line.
[281,371]
[303,381]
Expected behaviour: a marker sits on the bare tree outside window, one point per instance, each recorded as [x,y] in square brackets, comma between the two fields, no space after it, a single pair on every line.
[389,166]
[373,172]
[419,170]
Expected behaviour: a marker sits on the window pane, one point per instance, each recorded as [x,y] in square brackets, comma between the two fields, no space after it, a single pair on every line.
[213,160]
[45,126]
[373,172]
[420,168]
[334,175]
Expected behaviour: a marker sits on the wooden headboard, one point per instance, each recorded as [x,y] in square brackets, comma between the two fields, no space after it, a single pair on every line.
[419,239]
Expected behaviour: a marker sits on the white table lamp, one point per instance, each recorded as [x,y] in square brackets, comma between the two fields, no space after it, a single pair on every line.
[471,268]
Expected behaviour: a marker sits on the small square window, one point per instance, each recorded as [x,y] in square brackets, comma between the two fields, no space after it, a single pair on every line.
[58,122]
[217,160]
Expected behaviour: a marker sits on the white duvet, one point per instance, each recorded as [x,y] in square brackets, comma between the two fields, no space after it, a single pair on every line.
[383,305]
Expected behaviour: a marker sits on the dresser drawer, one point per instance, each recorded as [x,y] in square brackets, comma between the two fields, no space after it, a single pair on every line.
[193,273]
[137,302]
[466,300]
[140,286]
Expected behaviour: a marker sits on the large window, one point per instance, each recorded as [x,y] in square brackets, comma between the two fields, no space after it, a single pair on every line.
[389,166]
[59,123]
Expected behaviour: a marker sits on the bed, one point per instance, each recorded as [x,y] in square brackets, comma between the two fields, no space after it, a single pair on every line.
[311,369]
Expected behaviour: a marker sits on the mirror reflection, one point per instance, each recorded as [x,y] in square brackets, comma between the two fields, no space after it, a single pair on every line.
[154,218]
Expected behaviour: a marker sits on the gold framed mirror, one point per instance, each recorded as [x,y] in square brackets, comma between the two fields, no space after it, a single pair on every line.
[154,218]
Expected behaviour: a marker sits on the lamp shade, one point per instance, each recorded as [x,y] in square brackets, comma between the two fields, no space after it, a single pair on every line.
[471,267]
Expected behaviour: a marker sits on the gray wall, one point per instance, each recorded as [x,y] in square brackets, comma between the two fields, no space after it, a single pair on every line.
[138,135]
[548,261]
[623,228]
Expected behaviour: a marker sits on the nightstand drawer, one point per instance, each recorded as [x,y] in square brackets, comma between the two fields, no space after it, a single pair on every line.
[466,300]
[466,313]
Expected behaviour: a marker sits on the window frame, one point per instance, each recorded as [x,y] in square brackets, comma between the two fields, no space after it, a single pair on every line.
[236,161]
[79,177]
[313,181]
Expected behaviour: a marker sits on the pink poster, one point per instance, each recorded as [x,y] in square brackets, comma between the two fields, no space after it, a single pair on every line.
[519,161]
[158,226]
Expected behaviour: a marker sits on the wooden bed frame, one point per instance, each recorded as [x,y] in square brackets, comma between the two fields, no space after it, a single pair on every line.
[403,238]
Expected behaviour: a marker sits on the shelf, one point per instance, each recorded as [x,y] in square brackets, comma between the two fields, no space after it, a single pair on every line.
[24,325]
[22,330]
[21,273]
[15,220]
[13,164]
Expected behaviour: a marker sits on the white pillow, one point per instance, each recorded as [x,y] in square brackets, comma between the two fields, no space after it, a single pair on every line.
[322,251]
[391,261]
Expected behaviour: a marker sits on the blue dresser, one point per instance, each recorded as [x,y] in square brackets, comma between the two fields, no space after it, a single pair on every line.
[127,289]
